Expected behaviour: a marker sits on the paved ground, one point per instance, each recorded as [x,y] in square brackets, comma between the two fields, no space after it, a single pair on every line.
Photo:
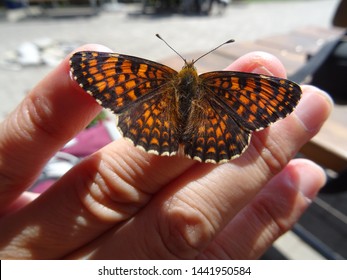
[127,31]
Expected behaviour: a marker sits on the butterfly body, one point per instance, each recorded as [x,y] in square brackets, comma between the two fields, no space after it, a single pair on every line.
[211,116]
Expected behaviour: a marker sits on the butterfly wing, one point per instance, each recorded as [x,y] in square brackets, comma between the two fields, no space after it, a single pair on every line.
[153,124]
[212,135]
[232,106]
[135,89]
[254,101]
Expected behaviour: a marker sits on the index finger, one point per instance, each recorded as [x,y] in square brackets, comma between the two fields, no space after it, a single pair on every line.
[43,122]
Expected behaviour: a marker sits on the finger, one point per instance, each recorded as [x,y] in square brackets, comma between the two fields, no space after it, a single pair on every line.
[273,212]
[260,63]
[44,121]
[191,211]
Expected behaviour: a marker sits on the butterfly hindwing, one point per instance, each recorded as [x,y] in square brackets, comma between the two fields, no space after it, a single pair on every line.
[213,135]
[152,124]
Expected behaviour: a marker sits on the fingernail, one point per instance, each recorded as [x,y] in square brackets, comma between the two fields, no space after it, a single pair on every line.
[313,108]
[307,180]
[262,70]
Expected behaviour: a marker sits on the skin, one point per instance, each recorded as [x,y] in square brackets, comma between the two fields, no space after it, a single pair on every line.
[123,203]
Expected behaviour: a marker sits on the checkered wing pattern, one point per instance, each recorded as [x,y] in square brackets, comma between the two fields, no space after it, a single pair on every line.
[212,115]
[137,91]
[232,106]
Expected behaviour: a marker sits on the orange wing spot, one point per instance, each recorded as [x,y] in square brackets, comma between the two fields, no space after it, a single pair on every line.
[120,78]
[110,82]
[90,80]
[269,111]
[201,130]
[211,140]
[144,140]
[132,95]
[211,150]
[265,82]
[225,84]
[280,97]
[219,132]
[92,63]
[101,86]
[244,99]
[139,122]
[119,90]
[143,68]
[241,110]
[120,102]
[254,108]
[93,70]
[199,149]
[133,131]
[253,97]
[110,62]
[110,72]
[221,143]
[251,118]
[210,130]
[146,131]
[235,85]
[156,131]
[261,104]
[157,112]
[150,122]
[232,147]
[107,96]
[130,84]
[280,108]
[249,84]
[154,141]
[214,121]
[99,77]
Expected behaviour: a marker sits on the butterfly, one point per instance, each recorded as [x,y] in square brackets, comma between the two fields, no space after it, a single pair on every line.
[210,117]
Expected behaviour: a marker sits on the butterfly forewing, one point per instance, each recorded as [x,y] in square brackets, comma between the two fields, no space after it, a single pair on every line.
[254,101]
[117,81]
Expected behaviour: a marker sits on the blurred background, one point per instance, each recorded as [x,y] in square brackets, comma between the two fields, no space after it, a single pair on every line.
[37,34]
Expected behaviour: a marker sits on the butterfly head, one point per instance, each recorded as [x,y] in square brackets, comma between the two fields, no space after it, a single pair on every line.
[189,64]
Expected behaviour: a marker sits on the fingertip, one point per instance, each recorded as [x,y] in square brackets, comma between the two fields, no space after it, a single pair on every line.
[314,108]
[306,176]
[260,63]
[93,47]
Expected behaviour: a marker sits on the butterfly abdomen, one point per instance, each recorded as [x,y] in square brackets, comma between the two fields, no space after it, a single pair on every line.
[187,90]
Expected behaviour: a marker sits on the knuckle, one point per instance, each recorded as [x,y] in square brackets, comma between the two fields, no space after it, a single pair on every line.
[272,153]
[105,193]
[184,230]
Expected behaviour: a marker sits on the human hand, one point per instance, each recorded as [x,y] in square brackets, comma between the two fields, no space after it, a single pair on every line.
[123,203]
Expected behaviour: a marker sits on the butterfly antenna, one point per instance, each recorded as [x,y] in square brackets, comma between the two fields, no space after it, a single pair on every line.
[227,42]
[170,47]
